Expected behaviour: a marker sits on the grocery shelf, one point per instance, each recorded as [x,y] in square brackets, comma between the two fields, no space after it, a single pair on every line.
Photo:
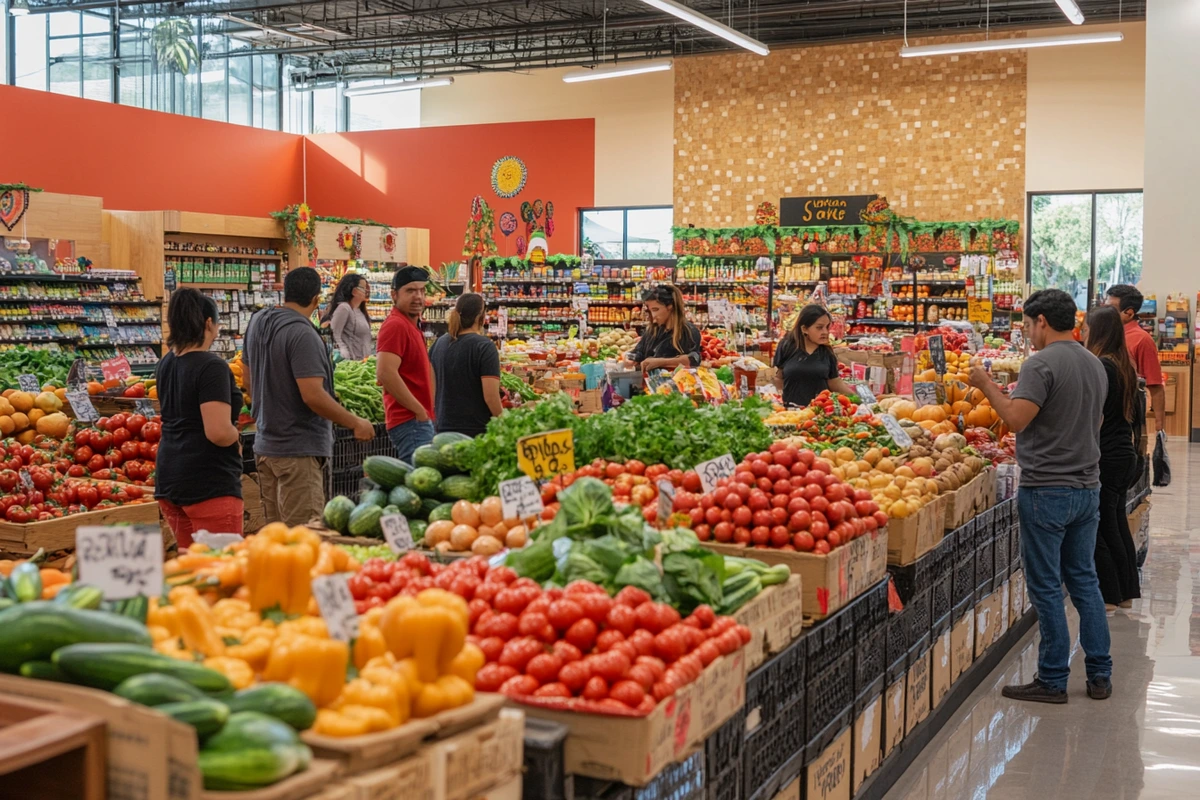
[118,344]
[41,340]
[203,254]
[541,300]
[872,321]
[908,300]
[233,287]
[12,320]
[55,277]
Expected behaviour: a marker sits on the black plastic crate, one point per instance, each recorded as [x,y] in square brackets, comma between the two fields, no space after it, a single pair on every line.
[827,642]
[777,684]
[915,578]
[348,452]
[940,625]
[682,780]
[897,639]
[545,771]
[597,789]
[985,566]
[771,751]
[941,596]
[824,737]
[964,541]
[1001,555]
[917,617]
[870,659]
[829,695]
[347,482]
[724,746]
[1014,547]
[869,612]
[727,785]
[962,581]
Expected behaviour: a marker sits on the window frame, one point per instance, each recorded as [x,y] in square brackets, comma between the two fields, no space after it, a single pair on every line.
[624,226]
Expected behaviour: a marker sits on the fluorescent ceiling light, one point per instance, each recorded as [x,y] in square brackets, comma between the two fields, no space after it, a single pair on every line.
[1072,11]
[399,86]
[615,71]
[18,8]
[271,29]
[709,24]
[951,48]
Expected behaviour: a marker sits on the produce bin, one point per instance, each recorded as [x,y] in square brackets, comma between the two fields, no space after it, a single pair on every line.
[59,534]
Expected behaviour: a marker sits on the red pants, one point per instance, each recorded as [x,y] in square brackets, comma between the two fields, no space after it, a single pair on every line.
[218,515]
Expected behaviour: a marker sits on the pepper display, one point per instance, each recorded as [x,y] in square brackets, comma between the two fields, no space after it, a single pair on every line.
[278,571]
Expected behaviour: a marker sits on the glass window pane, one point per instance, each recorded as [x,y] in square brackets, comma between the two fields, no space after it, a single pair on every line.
[97,68]
[64,23]
[65,67]
[1061,237]
[95,22]
[385,111]
[604,231]
[213,78]
[30,35]
[239,90]
[324,110]
[650,233]
[1118,239]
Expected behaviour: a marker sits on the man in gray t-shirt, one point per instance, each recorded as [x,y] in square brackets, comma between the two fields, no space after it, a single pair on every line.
[291,381]
[1056,411]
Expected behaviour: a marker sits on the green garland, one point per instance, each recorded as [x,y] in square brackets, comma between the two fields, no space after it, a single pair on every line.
[558,261]
[17,187]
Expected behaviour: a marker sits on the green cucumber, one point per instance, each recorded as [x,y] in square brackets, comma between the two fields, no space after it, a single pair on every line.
[34,631]
[80,595]
[105,666]
[155,689]
[43,671]
[278,700]
[26,581]
[253,749]
[135,608]
[386,471]
[206,716]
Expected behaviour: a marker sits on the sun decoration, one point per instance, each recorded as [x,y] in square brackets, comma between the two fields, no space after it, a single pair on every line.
[508,176]
[303,215]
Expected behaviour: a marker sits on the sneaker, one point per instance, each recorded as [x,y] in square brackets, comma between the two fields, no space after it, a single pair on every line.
[1036,692]
[1126,604]
[1099,688]
[1109,609]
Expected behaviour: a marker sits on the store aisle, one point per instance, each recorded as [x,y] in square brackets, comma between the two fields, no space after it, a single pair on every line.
[1142,743]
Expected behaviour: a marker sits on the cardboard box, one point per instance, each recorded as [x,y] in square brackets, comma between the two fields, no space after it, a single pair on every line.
[828,776]
[791,791]
[868,743]
[1003,610]
[987,622]
[962,645]
[59,534]
[893,716]
[831,581]
[942,669]
[590,401]
[149,755]
[481,758]
[976,495]
[916,692]
[633,750]
[914,536]
[774,618]
[1016,597]
[414,778]
[511,790]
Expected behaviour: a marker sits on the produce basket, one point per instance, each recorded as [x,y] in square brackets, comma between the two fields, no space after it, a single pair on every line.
[107,405]
[59,534]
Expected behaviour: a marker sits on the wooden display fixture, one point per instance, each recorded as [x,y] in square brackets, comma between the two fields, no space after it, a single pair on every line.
[49,750]
[412,245]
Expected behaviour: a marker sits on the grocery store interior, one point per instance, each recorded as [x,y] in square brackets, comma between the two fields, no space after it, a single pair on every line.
[691,471]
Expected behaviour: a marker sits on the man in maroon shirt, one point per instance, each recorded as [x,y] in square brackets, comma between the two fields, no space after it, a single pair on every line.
[402,365]
[1128,300]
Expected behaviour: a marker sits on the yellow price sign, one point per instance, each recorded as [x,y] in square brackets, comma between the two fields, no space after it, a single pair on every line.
[547,454]
[979,310]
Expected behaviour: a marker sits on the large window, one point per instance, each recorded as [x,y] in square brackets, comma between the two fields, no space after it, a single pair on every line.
[1084,242]
[627,233]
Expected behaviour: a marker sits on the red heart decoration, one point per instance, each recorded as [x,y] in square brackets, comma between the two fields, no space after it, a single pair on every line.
[13,205]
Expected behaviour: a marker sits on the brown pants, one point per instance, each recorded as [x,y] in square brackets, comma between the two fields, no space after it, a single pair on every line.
[293,489]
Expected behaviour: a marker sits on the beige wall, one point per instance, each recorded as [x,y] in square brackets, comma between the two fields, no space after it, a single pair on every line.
[633,122]
[1086,116]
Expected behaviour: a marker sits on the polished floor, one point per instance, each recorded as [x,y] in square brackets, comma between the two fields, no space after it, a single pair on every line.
[1142,743]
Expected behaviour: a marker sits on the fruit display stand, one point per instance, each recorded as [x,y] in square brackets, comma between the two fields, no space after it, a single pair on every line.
[50,752]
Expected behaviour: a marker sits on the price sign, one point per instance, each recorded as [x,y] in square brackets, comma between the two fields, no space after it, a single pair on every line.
[502,321]
[867,398]
[397,533]
[122,561]
[336,605]
[116,368]
[81,405]
[937,353]
[217,541]
[721,312]
[26,480]
[110,319]
[145,408]
[169,279]
[925,393]
[29,383]
[896,430]
[979,310]
[713,470]
[974,341]
[547,454]
[520,498]
[666,499]
[858,371]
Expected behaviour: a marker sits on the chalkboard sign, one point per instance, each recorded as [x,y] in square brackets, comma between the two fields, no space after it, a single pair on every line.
[169,279]
[837,210]
[937,353]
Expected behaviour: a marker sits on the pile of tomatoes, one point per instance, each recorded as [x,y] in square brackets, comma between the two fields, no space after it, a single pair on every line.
[786,498]
[631,482]
[378,581]
[43,494]
[120,447]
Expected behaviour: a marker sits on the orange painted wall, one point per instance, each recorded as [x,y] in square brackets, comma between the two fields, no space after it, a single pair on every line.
[140,160]
[427,177]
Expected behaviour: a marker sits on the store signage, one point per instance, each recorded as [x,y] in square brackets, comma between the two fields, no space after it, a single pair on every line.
[721,312]
[520,498]
[979,309]
[713,470]
[117,369]
[666,499]
[937,353]
[169,279]
[547,454]
[502,321]
[839,210]
[397,533]
[29,383]
[896,430]
[121,561]
[336,605]
[925,393]
[81,405]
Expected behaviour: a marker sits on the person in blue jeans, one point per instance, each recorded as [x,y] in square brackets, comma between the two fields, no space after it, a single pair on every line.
[1056,410]
[402,365]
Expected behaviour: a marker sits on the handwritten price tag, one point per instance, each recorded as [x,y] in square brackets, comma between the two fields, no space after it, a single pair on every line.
[520,498]
[896,430]
[336,605]
[867,398]
[122,562]
[397,533]
[217,541]
[714,469]
[26,480]
[547,454]
[666,499]
[81,405]
[937,353]
[29,383]
[925,393]
[145,408]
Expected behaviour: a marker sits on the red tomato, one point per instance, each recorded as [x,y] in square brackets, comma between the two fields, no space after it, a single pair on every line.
[517,653]
[492,676]
[632,597]
[96,462]
[780,536]
[575,675]
[819,503]
[723,532]
[761,518]
[745,477]
[564,613]
[759,500]
[778,473]
[732,500]
[761,534]
[800,521]
[608,639]
[582,634]
[779,516]
[642,675]
[596,688]
[741,535]
[519,685]
[743,516]
[835,513]
[622,618]
[691,481]
[703,532]
[822,547]
[611,666]
[544,667]
[594,606]
[712,516]
[628,692]
[780,500]
[783,487]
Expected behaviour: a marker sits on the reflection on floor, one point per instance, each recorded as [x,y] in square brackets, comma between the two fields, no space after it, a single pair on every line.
[1142,743]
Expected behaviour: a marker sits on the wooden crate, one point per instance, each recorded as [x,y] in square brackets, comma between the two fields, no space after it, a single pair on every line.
[59,534]
[303,784]
[51,751]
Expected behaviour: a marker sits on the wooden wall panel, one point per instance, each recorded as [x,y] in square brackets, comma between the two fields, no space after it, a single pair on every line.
[68,216]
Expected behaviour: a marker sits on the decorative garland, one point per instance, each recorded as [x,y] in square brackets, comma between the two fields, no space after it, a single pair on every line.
[299,227]
[350,240]
[18,187]
[558,261]
[478,240]
[387,241]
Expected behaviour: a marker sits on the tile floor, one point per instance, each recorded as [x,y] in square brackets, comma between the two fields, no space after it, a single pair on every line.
[1143,743]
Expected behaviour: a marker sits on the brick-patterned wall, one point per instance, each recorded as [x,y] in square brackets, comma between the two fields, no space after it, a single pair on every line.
[943,138]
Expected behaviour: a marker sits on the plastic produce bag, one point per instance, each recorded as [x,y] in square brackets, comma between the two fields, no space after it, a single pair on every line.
[1162,462]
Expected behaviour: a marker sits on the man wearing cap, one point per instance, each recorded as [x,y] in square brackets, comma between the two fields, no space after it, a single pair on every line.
[402,365]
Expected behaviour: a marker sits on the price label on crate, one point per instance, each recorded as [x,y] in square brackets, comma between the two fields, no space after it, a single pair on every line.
[547,454]
[666,499]
[520,498]
[937,353]
[145,408]
[217,541]
[896,431]
[116,368]
[336,605]
[29,383]
[397,533]
[866,399]
[81,405]
[122,561]
[714,469]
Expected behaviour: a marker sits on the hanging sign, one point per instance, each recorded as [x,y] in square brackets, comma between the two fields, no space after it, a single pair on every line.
[117,369]
[336,605]
[979,309]
[547,454]
[838,210]
[937,353]
[397,533]
[122,561]
[713,470]
[520,498]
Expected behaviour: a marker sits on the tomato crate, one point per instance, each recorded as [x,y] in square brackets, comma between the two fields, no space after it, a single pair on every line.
[726,786]
[870,658]
[828,641]
[349,453]
[777,684]
[869,612]
[829,695]
[774,754]
[545,769]
[724,746]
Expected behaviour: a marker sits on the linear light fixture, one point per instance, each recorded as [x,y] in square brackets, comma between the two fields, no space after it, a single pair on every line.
[615,71]
[951,48]
[1071,9]
[18,8]
[271,29]
[709,24]
[399,86]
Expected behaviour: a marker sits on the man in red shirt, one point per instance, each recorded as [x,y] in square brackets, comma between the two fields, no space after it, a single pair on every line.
[1128,300]
[402,365]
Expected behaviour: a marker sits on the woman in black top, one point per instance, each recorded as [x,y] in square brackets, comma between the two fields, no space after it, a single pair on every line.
[199,466]
[1116,558]
[805,363]
[466,369]
[669,340]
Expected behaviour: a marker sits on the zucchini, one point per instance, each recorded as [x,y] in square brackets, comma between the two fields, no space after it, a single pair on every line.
[105,666]
[155,689]
[206,716]
[252,750]
[33,631]
[80,595]
[43,671]
[739,590]
[278,700]
[26,581]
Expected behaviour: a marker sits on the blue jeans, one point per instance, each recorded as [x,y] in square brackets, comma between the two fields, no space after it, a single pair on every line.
[1058,545]
[408,436]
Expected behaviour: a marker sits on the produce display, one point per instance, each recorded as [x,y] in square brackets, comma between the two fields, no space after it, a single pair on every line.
[356,388]
[831,422]
[134,387]
[50,367]
[22,414]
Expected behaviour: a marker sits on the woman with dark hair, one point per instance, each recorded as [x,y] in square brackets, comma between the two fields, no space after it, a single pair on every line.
[1116,558]
[466,370]
[669,340]
[351,330]
[199,465]
[805,363]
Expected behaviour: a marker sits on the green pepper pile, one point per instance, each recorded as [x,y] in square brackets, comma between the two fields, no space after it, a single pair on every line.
[356,388]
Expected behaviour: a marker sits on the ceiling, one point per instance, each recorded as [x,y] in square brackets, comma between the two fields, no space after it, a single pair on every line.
[358,39]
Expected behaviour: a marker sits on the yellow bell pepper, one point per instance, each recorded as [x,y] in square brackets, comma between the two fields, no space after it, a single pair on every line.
[158,633]
[406,668]
[240,673]
[449,691]
[467,663]
[315,666]
[370,642]
[376,718]
[174,648]
[430,627]
[163,616]
[197,626]
[235,614]
[279,567]
[254,647]
[384,696]
[304,626]
[338,724]
[331,559]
